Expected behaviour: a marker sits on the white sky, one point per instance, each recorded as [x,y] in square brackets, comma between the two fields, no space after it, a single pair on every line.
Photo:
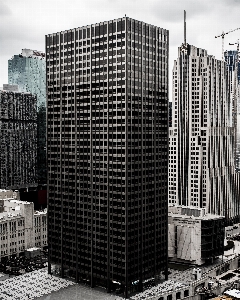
[24,24]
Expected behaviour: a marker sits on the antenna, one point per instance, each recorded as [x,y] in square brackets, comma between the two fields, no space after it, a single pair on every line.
[185,42]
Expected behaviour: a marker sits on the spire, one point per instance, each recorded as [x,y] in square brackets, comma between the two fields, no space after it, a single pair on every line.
[185,41]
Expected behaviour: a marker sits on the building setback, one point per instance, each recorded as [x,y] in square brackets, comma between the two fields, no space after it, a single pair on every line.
[28,71]
[107,120]
[201,169]
[18,139]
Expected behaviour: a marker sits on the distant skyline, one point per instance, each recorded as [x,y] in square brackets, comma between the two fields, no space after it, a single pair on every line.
[24,24]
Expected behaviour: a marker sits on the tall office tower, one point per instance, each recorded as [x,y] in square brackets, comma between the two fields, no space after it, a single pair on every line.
[201,169]
[18,136]
[233,65]
[107,116]
[28,71]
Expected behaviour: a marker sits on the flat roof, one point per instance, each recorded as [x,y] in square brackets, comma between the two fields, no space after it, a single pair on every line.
[43,212]
[18,201]
[233,293]
[224,297]
[10,216]
[204,217]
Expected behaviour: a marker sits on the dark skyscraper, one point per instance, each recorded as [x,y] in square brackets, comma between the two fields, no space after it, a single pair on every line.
[107,143]
[18,136]
[28,71]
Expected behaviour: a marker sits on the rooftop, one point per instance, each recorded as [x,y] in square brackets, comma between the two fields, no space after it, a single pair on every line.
[191,212]
[9,216]
[40,212]
[160,289]
[105,22]
[18,201]
[233,293]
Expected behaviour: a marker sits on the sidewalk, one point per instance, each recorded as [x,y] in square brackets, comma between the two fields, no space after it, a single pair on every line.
[41,285]
[31,285]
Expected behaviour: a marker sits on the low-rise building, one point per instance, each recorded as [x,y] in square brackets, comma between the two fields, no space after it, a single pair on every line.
[194,236]
[20,226]
[40,228]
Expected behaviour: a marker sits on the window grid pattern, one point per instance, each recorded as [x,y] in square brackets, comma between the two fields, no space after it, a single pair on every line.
[108,152]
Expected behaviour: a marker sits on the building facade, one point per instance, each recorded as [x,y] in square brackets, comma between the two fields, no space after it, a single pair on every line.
[201,169]
[170,113]
[107,116]
[28,71]
[21,227]
[231,58]
[233,65]
[18,139]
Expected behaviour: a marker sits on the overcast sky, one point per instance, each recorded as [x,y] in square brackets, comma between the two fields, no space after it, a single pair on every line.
[24,24]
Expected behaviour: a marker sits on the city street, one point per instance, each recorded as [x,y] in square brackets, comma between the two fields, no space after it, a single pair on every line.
[230,230]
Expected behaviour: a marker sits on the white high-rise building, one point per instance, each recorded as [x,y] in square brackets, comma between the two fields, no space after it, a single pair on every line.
[201,149]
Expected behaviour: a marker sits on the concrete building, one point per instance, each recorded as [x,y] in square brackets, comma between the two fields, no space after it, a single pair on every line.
[107,116]
[40,228]
[28,71]
[194,237]
[18,139]
[201,168]
[20,227]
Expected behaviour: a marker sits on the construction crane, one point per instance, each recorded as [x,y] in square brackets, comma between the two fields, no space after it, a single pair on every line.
[223,35]
[237,43]
[237,59]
